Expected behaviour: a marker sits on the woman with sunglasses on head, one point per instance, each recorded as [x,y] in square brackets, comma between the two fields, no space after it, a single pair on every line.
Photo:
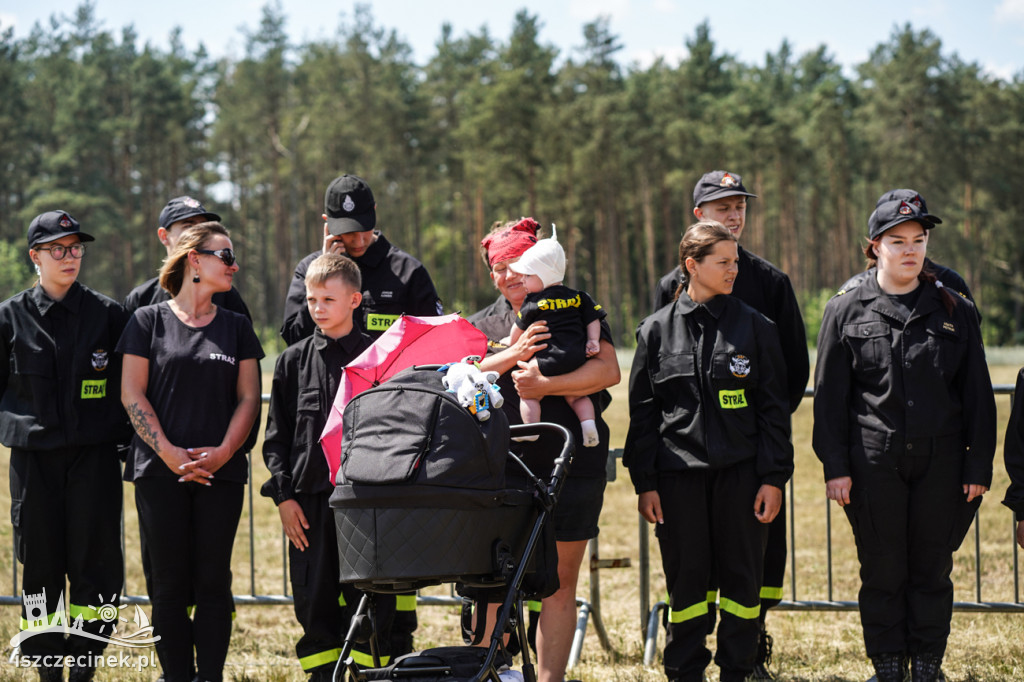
[191,388]
[59,415]
[904,424]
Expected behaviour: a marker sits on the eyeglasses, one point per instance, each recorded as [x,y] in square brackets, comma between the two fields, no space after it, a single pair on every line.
[58,251]
[226,255]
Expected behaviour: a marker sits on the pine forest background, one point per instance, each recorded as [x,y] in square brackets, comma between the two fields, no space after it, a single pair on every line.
[494,128]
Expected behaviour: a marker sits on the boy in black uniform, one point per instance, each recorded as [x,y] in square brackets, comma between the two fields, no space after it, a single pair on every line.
[393,281]
[305,381]
[60,414]
[720,195]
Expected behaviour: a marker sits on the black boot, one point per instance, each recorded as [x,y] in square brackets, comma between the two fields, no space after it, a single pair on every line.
[889,667]
[47,674]
[322,674]
[81,673]
[764,657]
[926,667]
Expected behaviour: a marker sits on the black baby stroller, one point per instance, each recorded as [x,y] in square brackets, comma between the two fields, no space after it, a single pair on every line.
[428,494]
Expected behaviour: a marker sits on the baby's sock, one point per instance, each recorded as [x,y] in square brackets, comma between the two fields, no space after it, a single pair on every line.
[590,437]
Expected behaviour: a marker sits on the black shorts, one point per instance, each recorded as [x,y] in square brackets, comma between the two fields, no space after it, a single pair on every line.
[579,508]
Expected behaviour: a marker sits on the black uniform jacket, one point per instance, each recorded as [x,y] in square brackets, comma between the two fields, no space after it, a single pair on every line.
[1013,451]
[393,283]
[692,406]
[306,380]
[150,292]
[919,378]
[948,276]
[767,290]
[60,380]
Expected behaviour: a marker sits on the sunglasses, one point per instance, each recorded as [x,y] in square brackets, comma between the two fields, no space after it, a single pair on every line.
[227,256]
[58,251]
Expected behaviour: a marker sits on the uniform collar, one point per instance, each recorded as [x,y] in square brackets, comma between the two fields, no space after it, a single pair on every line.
[877,300]
[348,343]
[375,253]
[71,301]
[685,305]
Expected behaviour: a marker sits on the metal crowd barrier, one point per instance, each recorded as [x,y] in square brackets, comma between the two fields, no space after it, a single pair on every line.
[650,617]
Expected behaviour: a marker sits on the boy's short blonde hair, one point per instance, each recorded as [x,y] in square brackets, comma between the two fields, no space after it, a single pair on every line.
[331,265]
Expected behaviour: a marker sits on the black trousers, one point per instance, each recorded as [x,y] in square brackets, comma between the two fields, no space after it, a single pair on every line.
[709,522]
[909,514]
[66,514]
[191,531]
[774,561]
[323,606]
[774,569]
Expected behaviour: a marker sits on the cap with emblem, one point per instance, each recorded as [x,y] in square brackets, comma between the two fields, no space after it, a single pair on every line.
[911,197]
[52,225]
[349,206]
[181,208]
[718,185]
[892,213]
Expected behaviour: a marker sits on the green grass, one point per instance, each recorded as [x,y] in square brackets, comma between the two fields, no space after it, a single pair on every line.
[808,645]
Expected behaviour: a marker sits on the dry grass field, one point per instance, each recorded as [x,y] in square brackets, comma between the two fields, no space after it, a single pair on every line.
[821,645]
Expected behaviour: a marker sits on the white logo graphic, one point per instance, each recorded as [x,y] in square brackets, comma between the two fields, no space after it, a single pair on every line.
[739,365]
[190,202]
[108,615]
[100,360]
[348,204]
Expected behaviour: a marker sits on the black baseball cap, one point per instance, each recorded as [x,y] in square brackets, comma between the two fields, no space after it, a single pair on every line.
[180,208]
[52,225]
[717,185]
[911,197]
[892,213]
[349,206]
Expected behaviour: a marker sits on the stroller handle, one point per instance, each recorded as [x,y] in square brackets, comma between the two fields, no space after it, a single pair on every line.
[563,462]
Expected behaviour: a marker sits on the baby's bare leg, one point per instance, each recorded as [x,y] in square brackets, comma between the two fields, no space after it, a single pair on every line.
[529,410]
[584,409]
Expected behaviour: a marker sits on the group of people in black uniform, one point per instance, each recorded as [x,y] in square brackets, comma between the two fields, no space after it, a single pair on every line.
[170,383]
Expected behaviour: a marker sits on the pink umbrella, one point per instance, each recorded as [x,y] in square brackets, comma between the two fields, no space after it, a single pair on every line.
[408,341]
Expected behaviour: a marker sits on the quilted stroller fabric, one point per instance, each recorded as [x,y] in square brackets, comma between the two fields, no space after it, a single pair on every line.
[421,494]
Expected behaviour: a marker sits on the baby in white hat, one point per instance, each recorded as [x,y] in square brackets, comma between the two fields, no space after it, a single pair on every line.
[573,320]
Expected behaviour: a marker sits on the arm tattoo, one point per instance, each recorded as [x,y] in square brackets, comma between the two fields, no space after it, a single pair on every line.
[140,420]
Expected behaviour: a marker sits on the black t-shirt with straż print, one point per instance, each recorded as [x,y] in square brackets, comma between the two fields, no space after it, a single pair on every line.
[193,377]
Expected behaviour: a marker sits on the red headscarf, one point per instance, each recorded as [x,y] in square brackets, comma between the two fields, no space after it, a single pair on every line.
[511,242]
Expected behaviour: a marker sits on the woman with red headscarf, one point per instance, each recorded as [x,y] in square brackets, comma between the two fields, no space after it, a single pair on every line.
[579,505]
